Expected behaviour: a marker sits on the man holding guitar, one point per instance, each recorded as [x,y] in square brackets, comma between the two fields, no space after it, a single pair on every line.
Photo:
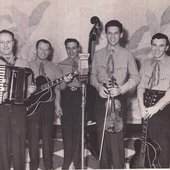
[154,96]
[40,122]
[71,107]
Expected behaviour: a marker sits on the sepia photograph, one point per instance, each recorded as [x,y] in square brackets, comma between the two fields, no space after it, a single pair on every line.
[84,84]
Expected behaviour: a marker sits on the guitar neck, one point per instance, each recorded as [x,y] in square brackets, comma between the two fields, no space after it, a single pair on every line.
[55,82]
[144,135]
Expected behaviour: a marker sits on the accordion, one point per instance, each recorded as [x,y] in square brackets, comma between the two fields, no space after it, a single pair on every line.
[14,84]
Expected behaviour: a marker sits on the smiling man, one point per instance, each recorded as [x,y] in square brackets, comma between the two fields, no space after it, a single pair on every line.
[41,122]
[12,116]
[112,62]
[155,81]
[71,107]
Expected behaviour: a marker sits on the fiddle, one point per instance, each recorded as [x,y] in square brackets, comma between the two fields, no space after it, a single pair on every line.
[114,122]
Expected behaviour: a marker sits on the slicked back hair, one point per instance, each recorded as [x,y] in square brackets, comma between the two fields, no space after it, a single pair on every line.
[160,36]
[7,32]
[113,23]
[44,41]
[71,40]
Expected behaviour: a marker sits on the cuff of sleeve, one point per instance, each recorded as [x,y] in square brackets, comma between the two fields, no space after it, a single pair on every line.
[122,90]
[98,87]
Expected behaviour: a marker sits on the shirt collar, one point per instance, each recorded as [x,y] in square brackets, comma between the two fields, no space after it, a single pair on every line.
[110,48]
[11,59]
[163,59]
[71,60]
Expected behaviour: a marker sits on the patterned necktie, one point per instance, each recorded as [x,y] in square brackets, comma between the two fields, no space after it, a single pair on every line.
[110,65]
[155,74]
[74,66]
[41,69]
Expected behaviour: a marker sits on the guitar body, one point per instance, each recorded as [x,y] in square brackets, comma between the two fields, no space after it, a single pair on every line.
[39,96]
[149,159]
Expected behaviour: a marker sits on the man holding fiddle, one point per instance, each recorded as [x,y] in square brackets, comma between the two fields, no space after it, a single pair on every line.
[114,73]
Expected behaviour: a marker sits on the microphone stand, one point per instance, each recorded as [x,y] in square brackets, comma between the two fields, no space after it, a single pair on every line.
[83,79]
[83,120]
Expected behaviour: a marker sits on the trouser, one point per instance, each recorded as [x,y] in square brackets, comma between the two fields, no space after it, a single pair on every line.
[159,131]
[71,127]
[113,154]
[40,127]
[12,136]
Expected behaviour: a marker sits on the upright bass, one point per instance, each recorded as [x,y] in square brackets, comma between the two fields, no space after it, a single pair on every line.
[90,129]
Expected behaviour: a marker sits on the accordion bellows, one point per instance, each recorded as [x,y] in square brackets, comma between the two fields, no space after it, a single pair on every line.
[14,84]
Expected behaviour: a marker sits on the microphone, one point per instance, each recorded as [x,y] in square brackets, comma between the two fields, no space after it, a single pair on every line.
[83,67]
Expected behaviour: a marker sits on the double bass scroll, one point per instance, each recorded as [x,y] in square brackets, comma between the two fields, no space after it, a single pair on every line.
[93,36]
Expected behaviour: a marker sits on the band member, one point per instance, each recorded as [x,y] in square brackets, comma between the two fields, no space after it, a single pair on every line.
[71,107]
[40,123]
[155,78]
[112,63]
[12,117]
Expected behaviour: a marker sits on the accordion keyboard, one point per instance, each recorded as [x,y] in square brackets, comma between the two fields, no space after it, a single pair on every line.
[2,82]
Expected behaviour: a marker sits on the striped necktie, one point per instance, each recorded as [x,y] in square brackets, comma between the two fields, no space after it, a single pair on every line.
[155,74]
[41,69]
[110,65]
[74,66]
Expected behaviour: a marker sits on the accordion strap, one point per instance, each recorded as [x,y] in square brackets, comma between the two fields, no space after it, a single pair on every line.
[5,61]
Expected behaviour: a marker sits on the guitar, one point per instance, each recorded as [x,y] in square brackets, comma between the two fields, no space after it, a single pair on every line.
[147,151]
[44,92]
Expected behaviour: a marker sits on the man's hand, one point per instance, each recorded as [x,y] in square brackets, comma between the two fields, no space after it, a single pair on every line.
[149,112]
[114,91]
[68,78]
[32,89]
[62,85]
[58,111]
[103,92]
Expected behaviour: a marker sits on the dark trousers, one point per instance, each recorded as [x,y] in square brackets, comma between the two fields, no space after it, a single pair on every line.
[71,127]
[113,153]
[159,131]
[40,127]
[12,136]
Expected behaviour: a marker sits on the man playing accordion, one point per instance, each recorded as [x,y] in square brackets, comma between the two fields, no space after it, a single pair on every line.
[12,116]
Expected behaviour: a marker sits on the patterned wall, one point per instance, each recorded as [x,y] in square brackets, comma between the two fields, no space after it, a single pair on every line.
[58,19]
